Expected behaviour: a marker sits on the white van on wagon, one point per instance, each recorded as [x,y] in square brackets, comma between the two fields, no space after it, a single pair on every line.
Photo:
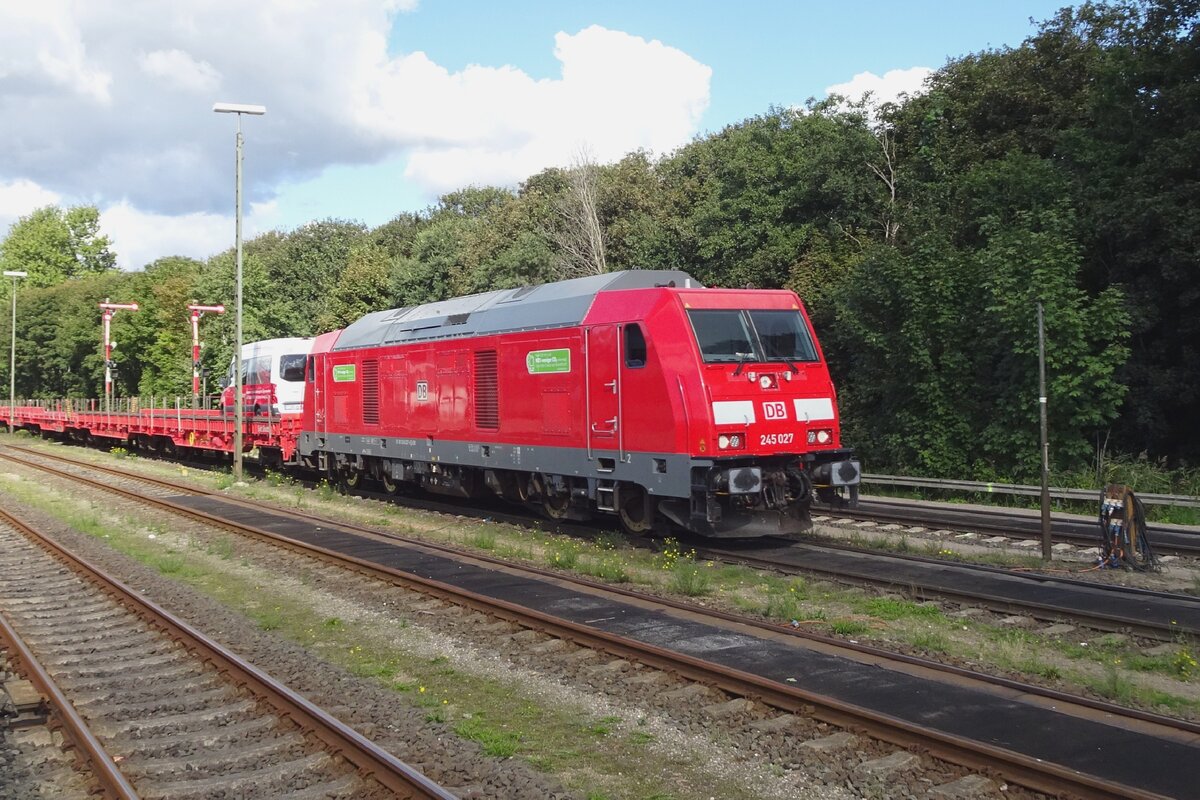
[272,377]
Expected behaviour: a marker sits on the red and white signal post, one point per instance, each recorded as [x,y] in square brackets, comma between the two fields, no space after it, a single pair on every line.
[199,311]
[110,311]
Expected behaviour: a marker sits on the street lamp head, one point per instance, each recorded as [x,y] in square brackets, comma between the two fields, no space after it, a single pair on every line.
[239,108]
[13,273]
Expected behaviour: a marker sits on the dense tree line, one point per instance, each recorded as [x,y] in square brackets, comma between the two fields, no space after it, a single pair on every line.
[922,236]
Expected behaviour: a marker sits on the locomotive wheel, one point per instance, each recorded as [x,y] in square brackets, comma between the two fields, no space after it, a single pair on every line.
[352,479]
[556,506]
[634,508]
[389,485]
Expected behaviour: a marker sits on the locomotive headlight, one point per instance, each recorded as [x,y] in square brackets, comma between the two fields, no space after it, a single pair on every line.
[731,441]
[767,382]
[824,437]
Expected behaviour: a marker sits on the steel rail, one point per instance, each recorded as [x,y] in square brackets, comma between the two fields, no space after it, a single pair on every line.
[1000,522]
[1031,772]
[372,761]
[87,746]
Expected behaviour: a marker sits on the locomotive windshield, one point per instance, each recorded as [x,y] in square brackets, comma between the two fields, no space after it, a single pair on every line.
[755,335]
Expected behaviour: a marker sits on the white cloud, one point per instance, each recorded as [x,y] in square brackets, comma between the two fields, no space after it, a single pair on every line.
[110,103]
[21,197]
[40,43]
[885,89]
[617,93]
[140,237]
[179,68]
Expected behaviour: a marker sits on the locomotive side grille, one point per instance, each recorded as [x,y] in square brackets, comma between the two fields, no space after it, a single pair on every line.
[487,391]
[370,392]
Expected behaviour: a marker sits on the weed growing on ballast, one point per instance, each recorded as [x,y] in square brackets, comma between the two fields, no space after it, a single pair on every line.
[689,577]
[563,554]
[483,538]
[1184,664]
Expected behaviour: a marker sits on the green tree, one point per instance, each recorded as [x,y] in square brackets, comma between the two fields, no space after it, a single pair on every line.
[160,333]
[302,268]
[363,287]
[757,196]
[937,339]
[1111,93]
[264,316]
[53,245]
[59,339]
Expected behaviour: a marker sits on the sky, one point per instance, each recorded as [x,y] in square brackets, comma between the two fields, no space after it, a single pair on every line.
[378,107]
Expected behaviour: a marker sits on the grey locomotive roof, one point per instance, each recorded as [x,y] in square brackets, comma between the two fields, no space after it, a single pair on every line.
[551,305]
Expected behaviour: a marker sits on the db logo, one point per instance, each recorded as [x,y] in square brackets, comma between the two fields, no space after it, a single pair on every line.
[774,410]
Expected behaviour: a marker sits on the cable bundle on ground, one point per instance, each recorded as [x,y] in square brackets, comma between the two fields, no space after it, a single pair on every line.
[1124,542]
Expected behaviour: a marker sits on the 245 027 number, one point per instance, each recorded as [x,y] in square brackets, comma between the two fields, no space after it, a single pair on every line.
[775,438]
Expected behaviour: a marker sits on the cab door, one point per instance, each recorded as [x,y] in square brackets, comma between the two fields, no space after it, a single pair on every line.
[603,376]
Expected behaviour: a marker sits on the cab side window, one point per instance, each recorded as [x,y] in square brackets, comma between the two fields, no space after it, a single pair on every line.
[635,346]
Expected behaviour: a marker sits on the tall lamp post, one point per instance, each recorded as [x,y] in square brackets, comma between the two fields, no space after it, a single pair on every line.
[12,361]
[198,311]
[258,111]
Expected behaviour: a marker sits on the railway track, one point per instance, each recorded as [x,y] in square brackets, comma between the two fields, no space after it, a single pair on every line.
[1162,616]
[158,709]
[1011,523]
[1043,740]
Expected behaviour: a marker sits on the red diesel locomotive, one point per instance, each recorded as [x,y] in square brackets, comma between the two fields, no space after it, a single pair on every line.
[641,394]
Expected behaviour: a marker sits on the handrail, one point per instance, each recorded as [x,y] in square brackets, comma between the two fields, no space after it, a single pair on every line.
[1182,500]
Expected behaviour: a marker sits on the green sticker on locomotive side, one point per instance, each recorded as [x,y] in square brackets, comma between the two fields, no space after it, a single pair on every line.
[540,362]
[344,373]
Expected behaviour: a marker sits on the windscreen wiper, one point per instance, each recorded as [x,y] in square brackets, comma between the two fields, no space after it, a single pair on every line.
[741,362]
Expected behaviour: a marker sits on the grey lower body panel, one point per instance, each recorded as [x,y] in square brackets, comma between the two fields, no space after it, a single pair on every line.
[663,474]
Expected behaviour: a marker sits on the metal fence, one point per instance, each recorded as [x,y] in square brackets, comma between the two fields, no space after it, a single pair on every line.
[1017,489]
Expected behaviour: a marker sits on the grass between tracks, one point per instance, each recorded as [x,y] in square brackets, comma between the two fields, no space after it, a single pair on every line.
[1110,666]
